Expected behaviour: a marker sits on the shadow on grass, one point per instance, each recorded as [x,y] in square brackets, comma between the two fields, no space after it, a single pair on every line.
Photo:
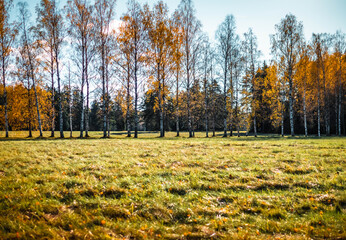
[143,136]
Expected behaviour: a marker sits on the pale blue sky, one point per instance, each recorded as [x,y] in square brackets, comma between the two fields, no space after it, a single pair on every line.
[317,15]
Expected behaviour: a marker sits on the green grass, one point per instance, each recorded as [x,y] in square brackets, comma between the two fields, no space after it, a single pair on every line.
[172,188]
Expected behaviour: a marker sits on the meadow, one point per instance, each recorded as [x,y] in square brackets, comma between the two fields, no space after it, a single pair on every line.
[172,188]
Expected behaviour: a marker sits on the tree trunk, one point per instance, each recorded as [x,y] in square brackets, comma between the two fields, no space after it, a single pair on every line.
[32,75]
[108,98]
[36,96]
[339,111]
[189,110]
[136,107]
[136,97]
[318,116]
[82,113]
[160,101]
[193,126]
[213,125]
[103,91]
[5,95]
[61,121]
[318,108]
[225,103]
[336,110]
[177,100]
[82,92]
[282,122]
[206,106]
[340,98]
[326,103]
[206,126]
[236,111]
[87,96]
[87,109]
[255,125]
[37,107]
[104,105]
[107,102]
[53,95]
[291,101]
[70,99]
[189,120]
[163,104]
[304,110]
[128,125]
[29,109]
[231,104]
[108,127]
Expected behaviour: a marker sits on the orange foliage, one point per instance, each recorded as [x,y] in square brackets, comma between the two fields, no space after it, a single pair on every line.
[19,111]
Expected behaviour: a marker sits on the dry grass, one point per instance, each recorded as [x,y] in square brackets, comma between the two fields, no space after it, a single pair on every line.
[172,188]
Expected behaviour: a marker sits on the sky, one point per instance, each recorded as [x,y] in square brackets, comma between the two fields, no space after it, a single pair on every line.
[318,16]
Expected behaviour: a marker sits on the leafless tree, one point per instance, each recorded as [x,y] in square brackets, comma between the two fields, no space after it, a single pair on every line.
[285,43]
[226,44]
[79,14]
[103,16]
[191,27]
[29,53]
[7,35]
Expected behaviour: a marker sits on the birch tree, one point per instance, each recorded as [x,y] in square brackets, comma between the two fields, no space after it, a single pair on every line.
[320,45]
[79,14]
[302,75]
[251,55]
[103,17]
[123,61]
[226,44]
[7,36]
[190,31]
[29,53]
[136,40]
[177,54]
[207,68]
[340,51]
[285,43]
[159,34]
[50,30]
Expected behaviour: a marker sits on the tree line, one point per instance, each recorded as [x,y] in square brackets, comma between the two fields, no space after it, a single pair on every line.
[75,69]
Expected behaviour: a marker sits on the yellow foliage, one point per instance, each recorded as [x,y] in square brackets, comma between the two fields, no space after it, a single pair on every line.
[19,111]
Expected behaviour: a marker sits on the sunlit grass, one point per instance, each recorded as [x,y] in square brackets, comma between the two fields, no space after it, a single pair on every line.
[172,188]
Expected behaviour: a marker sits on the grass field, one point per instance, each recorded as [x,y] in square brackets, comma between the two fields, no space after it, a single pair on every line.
[172,188]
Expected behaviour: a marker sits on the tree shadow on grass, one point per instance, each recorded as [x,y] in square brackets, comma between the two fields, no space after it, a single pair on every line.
[184,135]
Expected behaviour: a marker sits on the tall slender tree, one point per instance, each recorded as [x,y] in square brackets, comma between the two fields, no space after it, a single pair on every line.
[177,54]
[207,65]
[285,43]
[226,38]
[103,17]
[23,77]
[321,44]
[79,14]
[302,75]
[190,31]
[7,36]
[159,34]
[124,62]
[50,30]
[137,40]
[70,99]
[251,55]
[340,51]
[29,53]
